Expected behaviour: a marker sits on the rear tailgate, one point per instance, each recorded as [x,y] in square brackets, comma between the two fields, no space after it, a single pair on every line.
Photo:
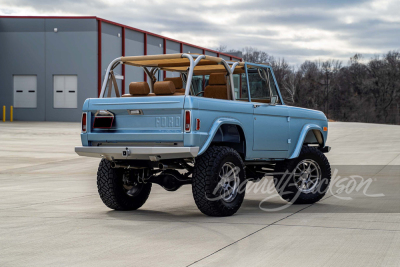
[145,120]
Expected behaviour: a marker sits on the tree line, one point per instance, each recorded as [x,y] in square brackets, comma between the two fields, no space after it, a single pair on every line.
[361,91]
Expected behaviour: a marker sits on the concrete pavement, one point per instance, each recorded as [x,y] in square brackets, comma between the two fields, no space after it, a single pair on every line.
[51,215]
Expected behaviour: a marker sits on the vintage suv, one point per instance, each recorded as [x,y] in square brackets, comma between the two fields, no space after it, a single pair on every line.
[212,123]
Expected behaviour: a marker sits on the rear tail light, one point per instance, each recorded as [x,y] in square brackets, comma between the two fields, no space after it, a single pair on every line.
[84,122]
[197,124]
[187,120]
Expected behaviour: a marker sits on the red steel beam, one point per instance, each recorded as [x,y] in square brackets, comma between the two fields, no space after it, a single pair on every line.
[170,39]
[204,77]
[240,87]
[165,51]
[49,17]
[120,25]
[123,65]
[145,52]
[99,57]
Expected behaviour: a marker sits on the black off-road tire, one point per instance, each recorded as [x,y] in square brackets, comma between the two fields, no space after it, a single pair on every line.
[285,186]
[206,177]
[111,191]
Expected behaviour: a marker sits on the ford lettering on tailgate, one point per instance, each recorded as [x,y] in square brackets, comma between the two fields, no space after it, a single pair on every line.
[168,122]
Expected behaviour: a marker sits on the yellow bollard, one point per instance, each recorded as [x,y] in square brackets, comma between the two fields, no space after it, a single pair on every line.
[11,113]
[4,113]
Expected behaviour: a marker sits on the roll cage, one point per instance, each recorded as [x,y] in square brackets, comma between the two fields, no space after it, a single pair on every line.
[188,64]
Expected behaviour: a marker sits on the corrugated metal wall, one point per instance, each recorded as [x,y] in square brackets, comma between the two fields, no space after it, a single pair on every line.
[31,46]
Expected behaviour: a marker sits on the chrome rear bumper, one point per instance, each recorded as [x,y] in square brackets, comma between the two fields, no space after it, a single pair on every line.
[136,152]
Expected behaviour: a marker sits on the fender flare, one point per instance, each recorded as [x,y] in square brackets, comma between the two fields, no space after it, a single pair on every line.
[214,128]
[303,134]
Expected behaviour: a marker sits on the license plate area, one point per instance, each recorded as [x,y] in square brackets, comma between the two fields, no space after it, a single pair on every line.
[103,119]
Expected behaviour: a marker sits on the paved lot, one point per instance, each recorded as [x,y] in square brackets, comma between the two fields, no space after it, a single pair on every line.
[51,215]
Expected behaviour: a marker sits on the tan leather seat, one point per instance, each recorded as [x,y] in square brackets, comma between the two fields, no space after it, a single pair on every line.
[217,86]
[164,88]
[178,84]
[138,89]
[141,89]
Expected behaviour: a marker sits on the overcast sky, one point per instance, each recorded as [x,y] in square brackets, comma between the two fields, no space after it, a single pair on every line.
[296,30]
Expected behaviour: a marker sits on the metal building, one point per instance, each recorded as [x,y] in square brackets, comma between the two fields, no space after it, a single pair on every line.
[50,65]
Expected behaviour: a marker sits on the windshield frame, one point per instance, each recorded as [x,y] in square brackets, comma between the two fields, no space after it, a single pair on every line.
[266,68]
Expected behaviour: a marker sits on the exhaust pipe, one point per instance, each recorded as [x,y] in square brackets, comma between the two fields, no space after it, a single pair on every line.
[164,167]
[161,166]
[116,166]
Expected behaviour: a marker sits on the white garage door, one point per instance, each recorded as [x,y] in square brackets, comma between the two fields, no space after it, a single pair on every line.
[65,91]
[25,91]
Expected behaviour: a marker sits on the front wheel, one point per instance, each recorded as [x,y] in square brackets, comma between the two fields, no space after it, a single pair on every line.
[219,181]
[118,193]
[305,179]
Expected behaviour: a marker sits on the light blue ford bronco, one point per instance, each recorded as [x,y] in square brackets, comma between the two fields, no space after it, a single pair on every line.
[203,121]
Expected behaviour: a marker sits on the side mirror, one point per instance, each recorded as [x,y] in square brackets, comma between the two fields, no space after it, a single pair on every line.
[274,99]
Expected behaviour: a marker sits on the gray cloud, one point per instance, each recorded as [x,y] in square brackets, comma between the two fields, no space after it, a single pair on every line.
[295,30]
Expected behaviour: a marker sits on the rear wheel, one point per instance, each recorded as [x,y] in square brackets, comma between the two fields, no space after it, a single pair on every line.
[305,179]
[219,181]
[117,191]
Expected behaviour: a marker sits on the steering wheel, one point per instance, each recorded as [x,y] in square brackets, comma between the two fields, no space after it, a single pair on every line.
[202,92]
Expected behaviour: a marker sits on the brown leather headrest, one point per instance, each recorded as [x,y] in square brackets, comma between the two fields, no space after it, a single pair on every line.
[217,79]
[139,88]
[177,82]
[164,88]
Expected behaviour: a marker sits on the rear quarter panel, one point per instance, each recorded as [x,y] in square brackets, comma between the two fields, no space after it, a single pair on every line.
[214,112]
